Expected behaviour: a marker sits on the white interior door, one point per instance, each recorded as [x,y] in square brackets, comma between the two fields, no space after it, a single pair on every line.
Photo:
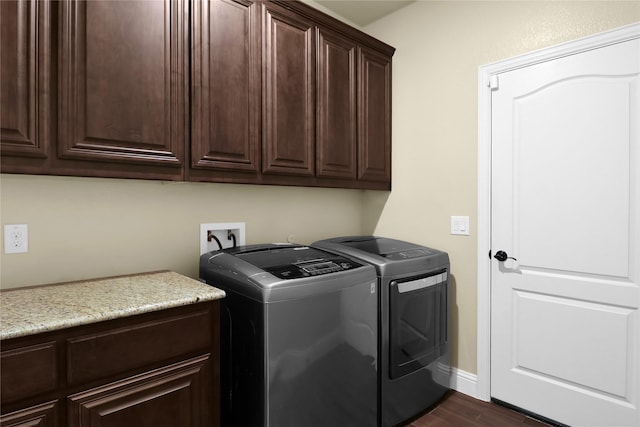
[565,328]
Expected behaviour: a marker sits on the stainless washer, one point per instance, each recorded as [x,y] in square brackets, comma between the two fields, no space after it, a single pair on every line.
[298,336]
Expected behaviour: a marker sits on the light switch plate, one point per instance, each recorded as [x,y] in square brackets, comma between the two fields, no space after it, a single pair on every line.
[460,225]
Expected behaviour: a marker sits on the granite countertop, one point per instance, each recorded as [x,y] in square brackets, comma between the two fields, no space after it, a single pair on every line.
[28,311]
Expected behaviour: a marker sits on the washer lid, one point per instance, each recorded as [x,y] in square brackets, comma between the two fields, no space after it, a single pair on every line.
[278,272]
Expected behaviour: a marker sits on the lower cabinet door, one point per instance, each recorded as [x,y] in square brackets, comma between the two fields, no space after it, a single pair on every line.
[44,415]
[175,395]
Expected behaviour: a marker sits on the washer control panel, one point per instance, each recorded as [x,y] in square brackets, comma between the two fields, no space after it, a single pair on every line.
[314,267]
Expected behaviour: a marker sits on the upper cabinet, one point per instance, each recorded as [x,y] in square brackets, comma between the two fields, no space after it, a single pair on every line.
[245,91]
[374,116]
[25,86]
[288,92]
[225,97]
[336,116]
[96,88]
[123,84]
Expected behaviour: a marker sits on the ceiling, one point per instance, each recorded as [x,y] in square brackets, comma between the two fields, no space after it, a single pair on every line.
[363,12]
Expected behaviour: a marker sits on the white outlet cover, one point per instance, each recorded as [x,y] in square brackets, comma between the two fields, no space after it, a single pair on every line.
[16,238]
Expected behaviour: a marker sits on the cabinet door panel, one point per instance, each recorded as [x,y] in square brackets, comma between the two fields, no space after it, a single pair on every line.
[178,395]
[122,81]
[288,92]
[374,132]
[28,371]
[336,120]
[44,415]
[225,97]
[25,70]
[99,355]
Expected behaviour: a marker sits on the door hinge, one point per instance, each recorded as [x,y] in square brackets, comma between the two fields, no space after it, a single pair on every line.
[493,82]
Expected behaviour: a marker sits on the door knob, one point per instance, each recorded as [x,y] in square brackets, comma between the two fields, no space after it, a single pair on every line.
[502,256]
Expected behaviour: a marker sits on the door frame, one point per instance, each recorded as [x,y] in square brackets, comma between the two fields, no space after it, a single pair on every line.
[485,75]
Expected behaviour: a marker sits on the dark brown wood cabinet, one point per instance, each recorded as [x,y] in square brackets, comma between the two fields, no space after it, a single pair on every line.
[26,83]
[374,116]
[337,90]
[288,112]
[94,88]
[322,124]
[154,369]
[245,91]
[123,84]
[326,102]
[225,97]
[166,397]
[43,415]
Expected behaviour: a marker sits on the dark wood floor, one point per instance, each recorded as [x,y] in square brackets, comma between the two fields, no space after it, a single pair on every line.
[459,410]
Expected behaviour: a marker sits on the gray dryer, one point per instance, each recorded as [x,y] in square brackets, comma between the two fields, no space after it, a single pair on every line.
[413,285]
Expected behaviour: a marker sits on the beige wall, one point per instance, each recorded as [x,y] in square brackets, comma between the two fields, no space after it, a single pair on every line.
[89,227]
[83,227]
[440,46]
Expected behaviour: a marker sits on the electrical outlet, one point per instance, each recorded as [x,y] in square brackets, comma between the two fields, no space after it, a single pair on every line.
[16,238]
[215,236]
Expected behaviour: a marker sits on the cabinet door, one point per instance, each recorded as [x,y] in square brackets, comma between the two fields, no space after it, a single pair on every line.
[226,87]
[178,395]
[288,58]
[122,79]
[374,120]
[28,371]
[25,83]
[98,355]
[336,111]
[44,415]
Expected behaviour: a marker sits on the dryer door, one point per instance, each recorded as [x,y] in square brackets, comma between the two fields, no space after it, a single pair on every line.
[418,326]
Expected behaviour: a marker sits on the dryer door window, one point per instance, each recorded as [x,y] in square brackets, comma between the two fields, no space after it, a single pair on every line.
[418,319]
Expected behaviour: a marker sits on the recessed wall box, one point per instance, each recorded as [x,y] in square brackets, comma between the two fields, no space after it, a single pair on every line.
[221,235]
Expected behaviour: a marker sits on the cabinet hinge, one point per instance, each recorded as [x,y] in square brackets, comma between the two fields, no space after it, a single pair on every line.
[493,82]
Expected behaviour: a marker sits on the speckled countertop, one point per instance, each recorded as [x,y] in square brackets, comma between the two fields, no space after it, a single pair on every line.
[28,311]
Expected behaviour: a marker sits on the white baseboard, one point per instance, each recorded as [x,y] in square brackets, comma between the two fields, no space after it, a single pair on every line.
[464,382]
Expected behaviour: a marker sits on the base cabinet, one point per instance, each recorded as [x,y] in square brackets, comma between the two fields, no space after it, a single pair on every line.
[167,373]
[167,397]
[44,415]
